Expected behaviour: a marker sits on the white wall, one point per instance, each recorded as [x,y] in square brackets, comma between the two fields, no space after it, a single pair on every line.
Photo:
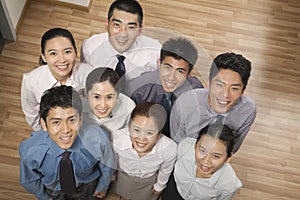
[84,3]
[15,8]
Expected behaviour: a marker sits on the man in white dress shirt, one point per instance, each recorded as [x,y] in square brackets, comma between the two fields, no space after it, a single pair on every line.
[123,38]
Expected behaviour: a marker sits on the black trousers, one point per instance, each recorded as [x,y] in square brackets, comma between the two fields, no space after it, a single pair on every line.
[171,192]
[84,192]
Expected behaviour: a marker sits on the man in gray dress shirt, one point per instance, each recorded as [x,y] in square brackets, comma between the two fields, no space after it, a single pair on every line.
[223,100]
[177,59]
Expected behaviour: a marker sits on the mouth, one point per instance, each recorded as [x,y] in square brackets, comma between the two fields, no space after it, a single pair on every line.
[223,102]
[205,169]
[169,85]
[102,111]
[62,67]
[140,145]
[66,139]
[121,42]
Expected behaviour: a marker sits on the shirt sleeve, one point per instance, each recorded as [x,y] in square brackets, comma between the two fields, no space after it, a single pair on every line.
[30,105]
[241,133]
[177,125]
[30,178]
[166,167]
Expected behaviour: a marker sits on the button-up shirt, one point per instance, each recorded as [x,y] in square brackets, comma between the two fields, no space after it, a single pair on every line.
[160,160]
[91,155]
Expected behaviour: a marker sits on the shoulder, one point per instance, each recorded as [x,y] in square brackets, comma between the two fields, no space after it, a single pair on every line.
[35,145]
[37,72]
[125,100]
[167,143]
[226,179]
[145,41]
[97,38]
[121,139]
[93,134]
[186,144]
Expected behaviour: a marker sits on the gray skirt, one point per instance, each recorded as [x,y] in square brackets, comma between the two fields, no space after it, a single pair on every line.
[134,188]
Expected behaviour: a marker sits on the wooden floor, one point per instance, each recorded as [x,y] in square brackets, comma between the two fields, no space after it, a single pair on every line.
[265,31]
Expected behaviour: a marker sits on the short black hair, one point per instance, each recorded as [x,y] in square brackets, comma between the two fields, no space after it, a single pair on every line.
[53,33]
[148,109]
[180,48]
[102,74]
[60,96]
[130,6]
[222,132]
[234,62]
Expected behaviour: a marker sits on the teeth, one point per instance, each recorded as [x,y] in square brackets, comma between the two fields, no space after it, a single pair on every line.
[223,102]
[168,84]
[65,138]
[61,66]
[140,145]
[204,168]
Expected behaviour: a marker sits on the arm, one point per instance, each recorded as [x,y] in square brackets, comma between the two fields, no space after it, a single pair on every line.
[30,105]
[177,124]
[30,178]
[243,130]
[166,168]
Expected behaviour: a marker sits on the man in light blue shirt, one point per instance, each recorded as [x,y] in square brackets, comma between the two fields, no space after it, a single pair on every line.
[89,147]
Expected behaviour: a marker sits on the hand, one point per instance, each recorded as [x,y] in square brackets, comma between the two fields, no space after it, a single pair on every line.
[99,194]
[155,192]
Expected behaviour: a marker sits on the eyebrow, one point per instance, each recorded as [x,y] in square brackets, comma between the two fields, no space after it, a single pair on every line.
[68,48]
[179,68]
[235,84]
[120,21]
[57,118]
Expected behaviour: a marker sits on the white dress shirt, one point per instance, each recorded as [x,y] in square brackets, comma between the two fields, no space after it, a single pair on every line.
[160,160]
[222,185]
[142,56]
[118,118]
[36,82]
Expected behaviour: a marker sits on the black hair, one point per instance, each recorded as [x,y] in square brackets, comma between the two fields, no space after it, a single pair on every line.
[223,133]
[53,33]
[234,62]
[61,96]
[130,6]
[180,48]
[102,74]
[147,109]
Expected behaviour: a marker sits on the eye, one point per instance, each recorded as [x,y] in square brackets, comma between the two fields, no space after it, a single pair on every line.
[181,71]
[96,96]
[69,51]
[236,89]
[202,150]
[55,122]
[110,97]
[149,133]
[52,53]
[216,156]
[116,25]
[131,27]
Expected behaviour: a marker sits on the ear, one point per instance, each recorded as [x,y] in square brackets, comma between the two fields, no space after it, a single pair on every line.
[43,124]
[140,29]
[106,25]
[229,158]
[43,57]
[158,62]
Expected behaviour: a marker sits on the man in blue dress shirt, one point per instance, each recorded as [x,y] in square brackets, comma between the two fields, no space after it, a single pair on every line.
[89,147]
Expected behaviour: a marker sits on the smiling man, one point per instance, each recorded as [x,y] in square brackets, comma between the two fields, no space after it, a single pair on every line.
[224,100]
[89,149]
[122,40]
[177,59]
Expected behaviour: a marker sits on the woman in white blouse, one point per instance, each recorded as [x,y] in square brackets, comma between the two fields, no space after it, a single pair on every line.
[58,67]
[104,104]
[202,170]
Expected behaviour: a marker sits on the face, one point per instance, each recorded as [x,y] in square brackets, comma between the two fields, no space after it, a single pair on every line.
[144,134]
[210,155]
[102,98]
[123,29]
[173,73]
[60,56]
[225,89]
[63,125]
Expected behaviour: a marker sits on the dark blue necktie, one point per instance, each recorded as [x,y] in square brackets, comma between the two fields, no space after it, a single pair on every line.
[120,68]
[167,102]
[66,175]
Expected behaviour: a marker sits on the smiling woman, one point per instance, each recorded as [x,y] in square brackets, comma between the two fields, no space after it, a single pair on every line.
[59,67]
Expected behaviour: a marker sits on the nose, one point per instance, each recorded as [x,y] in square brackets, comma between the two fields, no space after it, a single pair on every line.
[61,57]
[172,74]
[65,127]
[227,92]
[207,159]
[102,103]
[123,31]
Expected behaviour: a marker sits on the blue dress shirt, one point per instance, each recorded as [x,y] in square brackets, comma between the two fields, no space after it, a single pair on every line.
[91,155]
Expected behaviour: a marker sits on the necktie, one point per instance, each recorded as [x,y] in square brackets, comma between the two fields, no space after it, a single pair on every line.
[120,68]
[167,102]
[67,179]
